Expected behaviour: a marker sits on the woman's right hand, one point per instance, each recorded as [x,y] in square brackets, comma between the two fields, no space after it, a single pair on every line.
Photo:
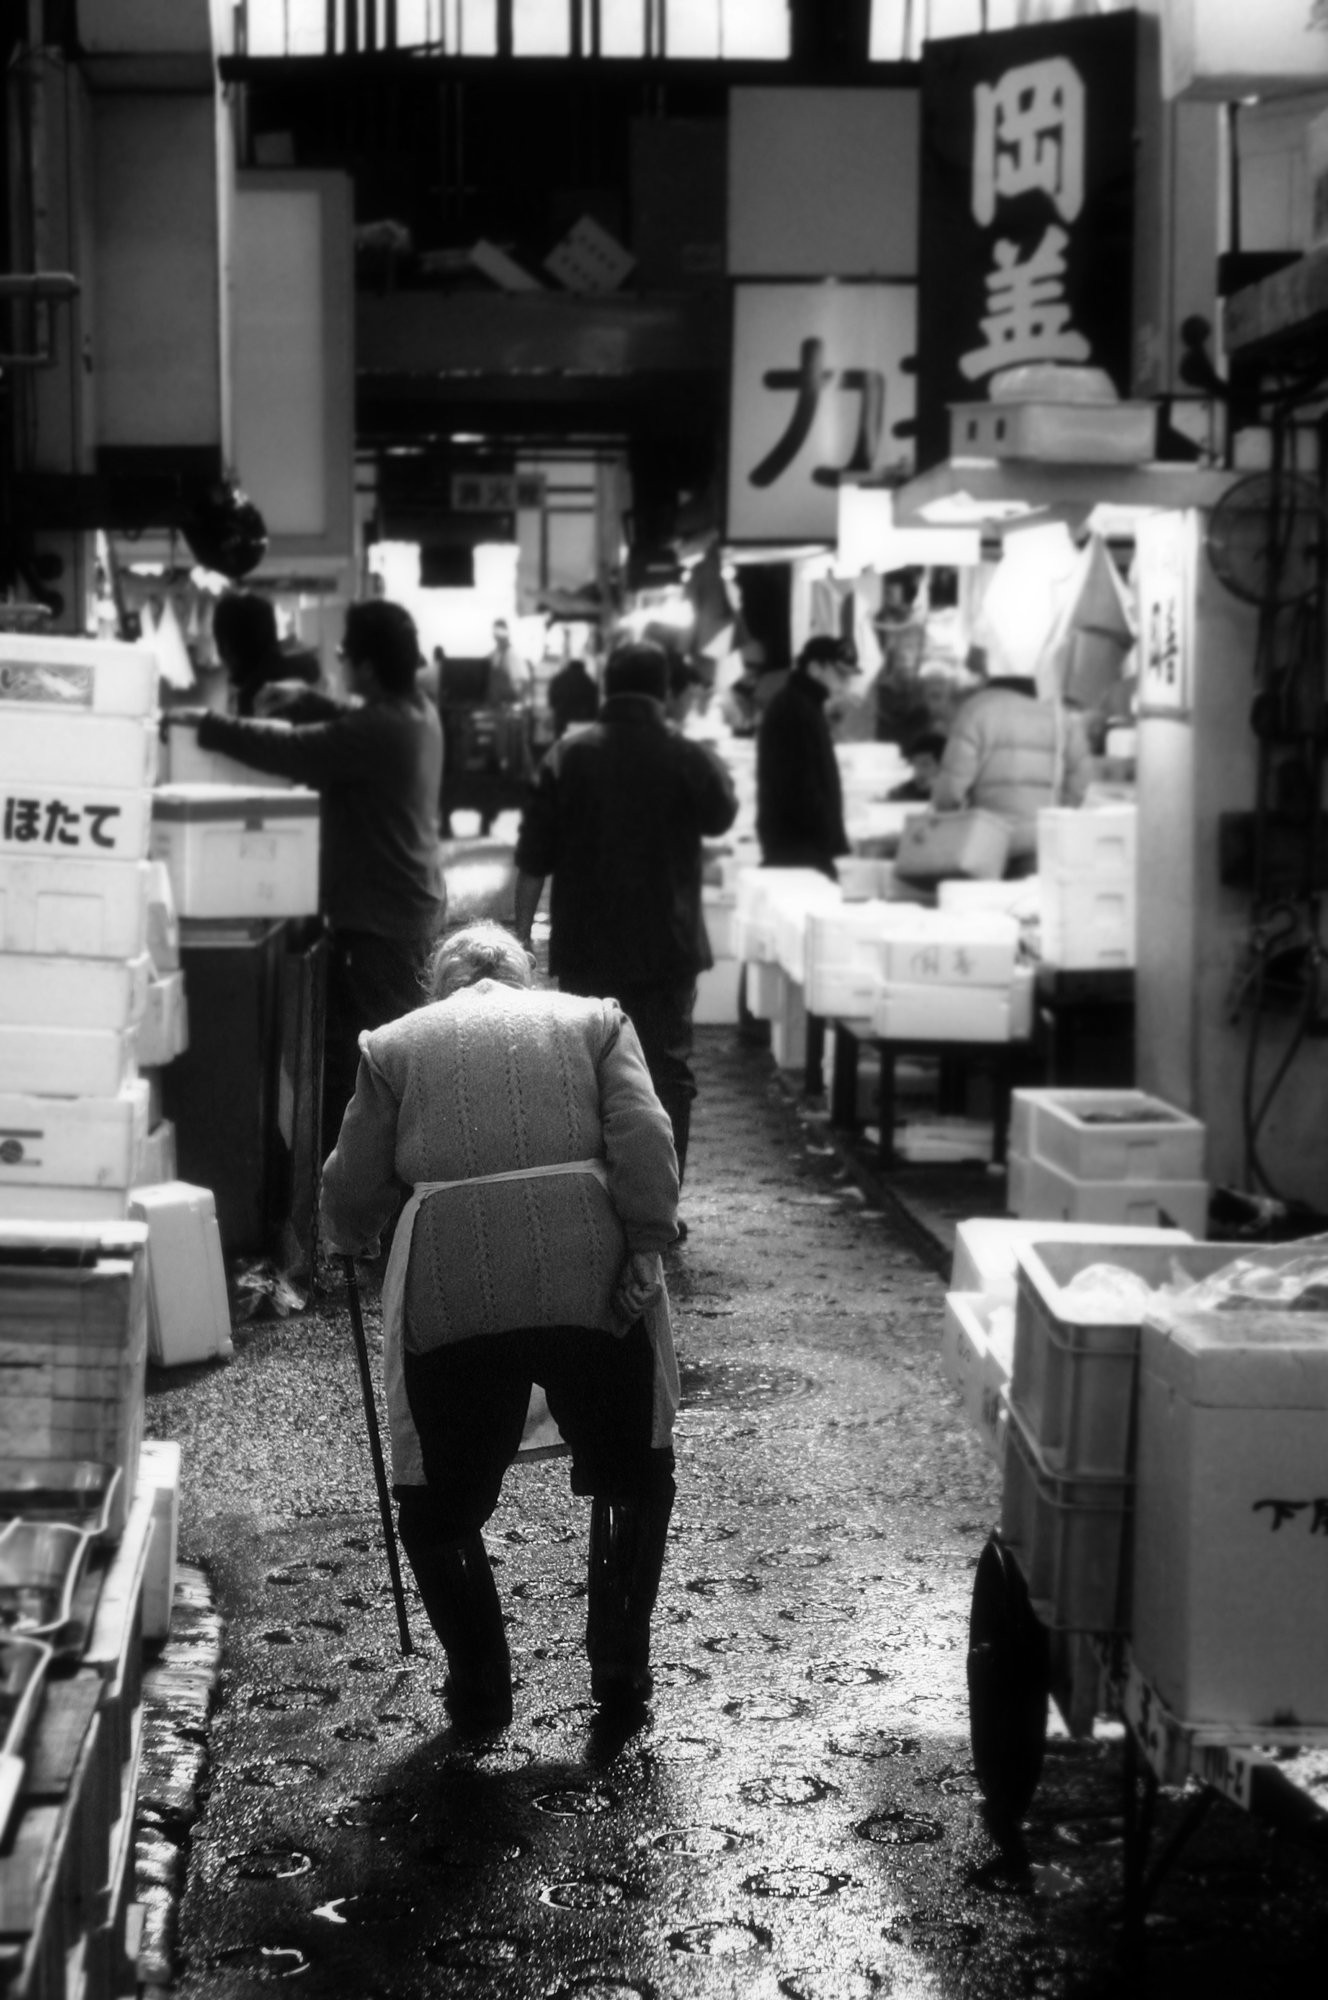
[639,1282]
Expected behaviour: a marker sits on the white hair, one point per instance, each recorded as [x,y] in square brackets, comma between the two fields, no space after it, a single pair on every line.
[477,951]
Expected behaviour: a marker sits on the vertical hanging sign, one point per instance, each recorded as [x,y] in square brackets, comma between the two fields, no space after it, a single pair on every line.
[1167,548]
[1026,249]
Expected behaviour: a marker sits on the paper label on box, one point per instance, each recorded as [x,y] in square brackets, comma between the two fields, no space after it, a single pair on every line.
[50,683]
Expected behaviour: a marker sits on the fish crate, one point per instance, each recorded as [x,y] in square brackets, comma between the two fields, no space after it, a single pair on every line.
[73,1345]
[1070,1536]
[1108,1135]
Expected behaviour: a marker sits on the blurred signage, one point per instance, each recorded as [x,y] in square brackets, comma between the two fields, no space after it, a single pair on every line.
[496,492]
[1167,550]
[818,385]
[1027,230]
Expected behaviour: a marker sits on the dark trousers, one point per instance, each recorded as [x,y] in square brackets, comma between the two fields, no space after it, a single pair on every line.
[370,980]
[468,1400]
[662,1017]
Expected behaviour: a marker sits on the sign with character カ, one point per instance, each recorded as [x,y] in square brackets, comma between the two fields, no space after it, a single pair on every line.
[1027,210]
[817,387]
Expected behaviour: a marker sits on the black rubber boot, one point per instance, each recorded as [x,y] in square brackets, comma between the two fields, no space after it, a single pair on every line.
[627,1540]
[461,1598]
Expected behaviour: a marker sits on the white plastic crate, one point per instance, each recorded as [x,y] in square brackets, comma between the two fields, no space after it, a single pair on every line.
[188,1311]
[987,1247]
[73,992]
[1070,1536]
[1108,1135]
[1088,924]
[88,909]
[922,947]
[76,676]
[45,747]
[1033,1188]
[65,1062]
[1076,841]
[977,1352]
[73,822]
[235,852]
[942,1014]
[717,994]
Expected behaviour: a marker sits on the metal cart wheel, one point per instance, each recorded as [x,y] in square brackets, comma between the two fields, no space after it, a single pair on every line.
[1009,1678]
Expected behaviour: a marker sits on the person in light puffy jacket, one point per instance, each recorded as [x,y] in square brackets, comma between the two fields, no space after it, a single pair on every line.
[1009,753]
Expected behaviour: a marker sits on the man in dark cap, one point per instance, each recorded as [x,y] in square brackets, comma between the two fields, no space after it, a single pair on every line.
[616,816]
[799,798]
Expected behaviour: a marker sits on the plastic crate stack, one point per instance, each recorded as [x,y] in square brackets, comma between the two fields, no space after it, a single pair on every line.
[78,759]
[1108,1156]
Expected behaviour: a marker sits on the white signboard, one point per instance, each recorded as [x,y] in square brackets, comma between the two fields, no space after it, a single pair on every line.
[1167,553]
[817,386]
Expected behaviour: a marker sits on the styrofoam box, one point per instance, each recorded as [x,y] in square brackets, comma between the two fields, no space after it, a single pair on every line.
[73,992]
[841,970]
[1057,433]
[41,747]
[975,948]
[187,763]
[1035,1189]
[977,1358]
[1018,898]
[1230,1613]
[1071,1537]
[90,909]
[77,676]
[163,1033]
[188,1313]
[987,1247]
[1108,1135]
[1088,924]
[861,877]
[74,822]
[237,852]
[1073,841]
[163,923]
[942,1014]
[762,893]
[66,1062]
[41,1201]
[159,1470]
[765,990]
[719,908]
[157,1161]
[717,994]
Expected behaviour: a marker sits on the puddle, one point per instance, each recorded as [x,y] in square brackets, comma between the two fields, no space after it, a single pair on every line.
[851,1674]
[334,1627]
[357,1546]
[282,1773]
[899,1829]
[587,1892]
[794,1558]
[734,1384]
[600,1986]
[269,1864]
[1108,1831]
[711,1586]
[859,1985]
[277,1638]
[796,1884]
[371,1810]
[720,1940]
[296,1695]
[365,1910]
[573,1803]
[696,1842]
[677,1674]
[365,1663]
[478,1951]
[477,1853]
[549,1590]
[577,1715]
[704,1531]
[500,1757]
[683,1750]
[795,1789]
[262,1961]
[762,1708]
[295,1574]
[928,1933]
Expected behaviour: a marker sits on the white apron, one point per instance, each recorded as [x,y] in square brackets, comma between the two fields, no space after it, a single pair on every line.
[541,1437]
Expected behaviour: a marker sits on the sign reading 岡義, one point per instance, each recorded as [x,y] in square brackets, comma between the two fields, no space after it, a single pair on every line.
[1027,210]
[818,385]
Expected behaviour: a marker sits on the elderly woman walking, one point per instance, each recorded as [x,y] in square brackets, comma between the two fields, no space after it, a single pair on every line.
[542,1187]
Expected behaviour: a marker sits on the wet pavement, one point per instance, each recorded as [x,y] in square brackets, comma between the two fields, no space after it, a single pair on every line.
[798,1816]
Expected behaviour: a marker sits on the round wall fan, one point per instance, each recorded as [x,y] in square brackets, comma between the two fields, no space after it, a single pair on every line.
[1266,539]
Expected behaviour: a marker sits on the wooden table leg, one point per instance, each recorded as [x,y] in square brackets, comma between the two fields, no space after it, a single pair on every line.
[885,1145]
[813,1076]
[844,1087]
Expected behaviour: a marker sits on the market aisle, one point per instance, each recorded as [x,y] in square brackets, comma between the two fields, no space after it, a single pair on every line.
[799,1817]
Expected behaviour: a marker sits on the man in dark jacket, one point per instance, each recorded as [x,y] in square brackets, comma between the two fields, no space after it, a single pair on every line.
[377,762]
[616,816]
[799,798]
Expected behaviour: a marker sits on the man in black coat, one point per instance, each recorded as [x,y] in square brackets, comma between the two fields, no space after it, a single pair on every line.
[799,798]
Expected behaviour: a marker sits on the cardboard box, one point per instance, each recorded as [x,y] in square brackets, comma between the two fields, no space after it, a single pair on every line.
[72,822]
[72,992]
[163,1033]
[1108,1135]
[77,677]
[159,1469]
[65,1062]
[188,1310]
[46,747]
[85,909]
[1035,1189]
[1230,1614]
[235,852]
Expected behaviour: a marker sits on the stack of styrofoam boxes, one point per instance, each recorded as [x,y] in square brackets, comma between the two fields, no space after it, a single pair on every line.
[761,894]
[78,754]
[788,899]
[978,1341]
[1115,1156]
[952,977]
[1088,887]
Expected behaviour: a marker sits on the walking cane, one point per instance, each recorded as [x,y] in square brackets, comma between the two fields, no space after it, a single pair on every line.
[376,1451]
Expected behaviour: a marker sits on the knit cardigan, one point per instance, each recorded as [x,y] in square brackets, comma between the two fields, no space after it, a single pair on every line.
[494,1080]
